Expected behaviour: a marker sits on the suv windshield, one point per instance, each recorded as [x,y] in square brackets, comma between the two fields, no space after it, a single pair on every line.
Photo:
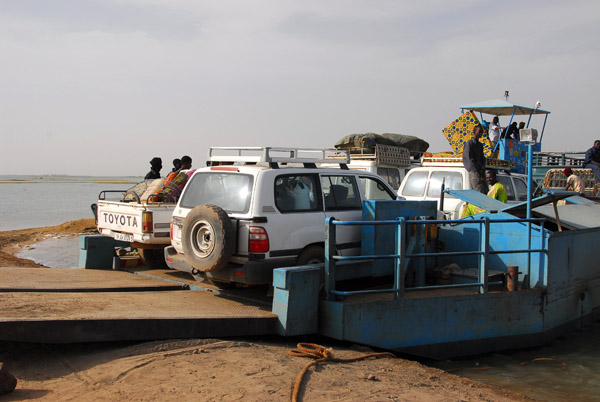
[230,191]
[451,180]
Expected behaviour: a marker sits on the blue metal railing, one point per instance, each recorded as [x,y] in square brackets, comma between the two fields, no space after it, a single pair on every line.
[400,256]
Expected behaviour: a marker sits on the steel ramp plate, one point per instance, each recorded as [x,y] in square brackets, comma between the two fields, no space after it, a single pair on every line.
[110,316]
[77,280]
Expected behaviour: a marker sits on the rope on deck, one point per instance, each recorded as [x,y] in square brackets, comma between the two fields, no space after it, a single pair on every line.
[321,354]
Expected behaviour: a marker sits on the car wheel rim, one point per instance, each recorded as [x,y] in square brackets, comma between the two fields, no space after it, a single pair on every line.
[203,236]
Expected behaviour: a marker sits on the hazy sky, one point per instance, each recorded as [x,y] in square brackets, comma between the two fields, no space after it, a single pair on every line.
[99,87]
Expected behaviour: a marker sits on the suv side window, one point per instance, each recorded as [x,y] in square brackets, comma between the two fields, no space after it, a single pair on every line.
[452,180]
[415,183]
[507,183]
[521,189]
[340,192]
[374,190]
[296,193]
[392,176]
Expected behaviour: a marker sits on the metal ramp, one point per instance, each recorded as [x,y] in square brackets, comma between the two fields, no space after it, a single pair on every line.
[78,305]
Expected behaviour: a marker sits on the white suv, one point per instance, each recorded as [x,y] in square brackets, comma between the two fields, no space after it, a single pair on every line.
[425,183]
[255,209]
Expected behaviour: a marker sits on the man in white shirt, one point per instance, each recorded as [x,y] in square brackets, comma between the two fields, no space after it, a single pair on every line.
[494,132]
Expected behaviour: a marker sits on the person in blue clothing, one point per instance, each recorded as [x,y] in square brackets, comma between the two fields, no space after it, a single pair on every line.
[592,159]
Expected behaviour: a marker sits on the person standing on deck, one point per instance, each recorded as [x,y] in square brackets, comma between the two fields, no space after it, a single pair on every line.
[592,159]
[474,161]
[574,182]
[497,190]
[494,132]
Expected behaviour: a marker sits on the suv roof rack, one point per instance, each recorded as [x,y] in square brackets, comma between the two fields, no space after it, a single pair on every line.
[490,163]
[274,155]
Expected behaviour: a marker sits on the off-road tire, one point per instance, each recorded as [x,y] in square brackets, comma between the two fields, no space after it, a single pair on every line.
[208,238]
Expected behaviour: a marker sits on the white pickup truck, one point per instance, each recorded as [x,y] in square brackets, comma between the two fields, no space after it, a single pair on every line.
[146,225]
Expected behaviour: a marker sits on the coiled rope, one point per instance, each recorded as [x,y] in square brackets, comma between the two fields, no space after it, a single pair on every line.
[321,354]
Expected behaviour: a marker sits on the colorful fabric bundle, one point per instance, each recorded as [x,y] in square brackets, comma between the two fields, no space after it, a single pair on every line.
[459,132]
[154,186]
[172,187]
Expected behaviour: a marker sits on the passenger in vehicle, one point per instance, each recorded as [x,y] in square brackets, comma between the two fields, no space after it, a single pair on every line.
[592,159]
[176,165]
[156,166]
[186,163]
[574,182]
[474,161]
[497,190]
[174,183]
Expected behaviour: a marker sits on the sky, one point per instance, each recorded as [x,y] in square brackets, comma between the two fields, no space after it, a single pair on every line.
[99,87]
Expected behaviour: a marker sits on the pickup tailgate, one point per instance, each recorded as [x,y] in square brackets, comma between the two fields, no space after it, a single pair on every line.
[142,223]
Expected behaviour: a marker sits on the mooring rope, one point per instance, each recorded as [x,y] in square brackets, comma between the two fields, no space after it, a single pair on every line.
[546,359]
[321,354]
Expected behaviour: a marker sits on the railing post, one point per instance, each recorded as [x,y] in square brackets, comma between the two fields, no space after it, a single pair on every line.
[419,249]
[329,260]
[400,261]
[484,259]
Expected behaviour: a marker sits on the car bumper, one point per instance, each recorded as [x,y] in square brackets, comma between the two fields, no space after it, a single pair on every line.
[250,272]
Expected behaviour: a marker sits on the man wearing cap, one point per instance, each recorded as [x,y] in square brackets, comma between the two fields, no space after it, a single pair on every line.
[574,182]
[156,165]
[592,159]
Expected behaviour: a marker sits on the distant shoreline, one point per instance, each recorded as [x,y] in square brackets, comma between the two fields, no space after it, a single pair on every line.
[29,179]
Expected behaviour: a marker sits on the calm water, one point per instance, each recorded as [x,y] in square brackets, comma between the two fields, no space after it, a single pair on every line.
[569,371]
[37,201]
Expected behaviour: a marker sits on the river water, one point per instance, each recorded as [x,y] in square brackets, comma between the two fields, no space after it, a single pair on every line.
[565,370]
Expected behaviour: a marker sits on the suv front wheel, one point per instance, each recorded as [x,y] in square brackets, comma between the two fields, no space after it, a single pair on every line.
[207,238]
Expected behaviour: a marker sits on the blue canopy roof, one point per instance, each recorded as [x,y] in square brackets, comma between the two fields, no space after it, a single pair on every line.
[499,107]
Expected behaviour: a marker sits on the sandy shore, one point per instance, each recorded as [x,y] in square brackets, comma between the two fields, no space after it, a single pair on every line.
[213,369]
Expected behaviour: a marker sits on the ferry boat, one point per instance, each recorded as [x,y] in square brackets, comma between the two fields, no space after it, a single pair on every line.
[512,276]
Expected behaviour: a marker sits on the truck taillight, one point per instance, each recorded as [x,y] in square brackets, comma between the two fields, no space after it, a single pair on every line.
[147,222]
[258,240]
[171,230]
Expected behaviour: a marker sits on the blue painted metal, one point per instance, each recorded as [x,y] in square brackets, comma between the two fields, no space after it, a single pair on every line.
[565,289]
[296,300]
[96,252]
